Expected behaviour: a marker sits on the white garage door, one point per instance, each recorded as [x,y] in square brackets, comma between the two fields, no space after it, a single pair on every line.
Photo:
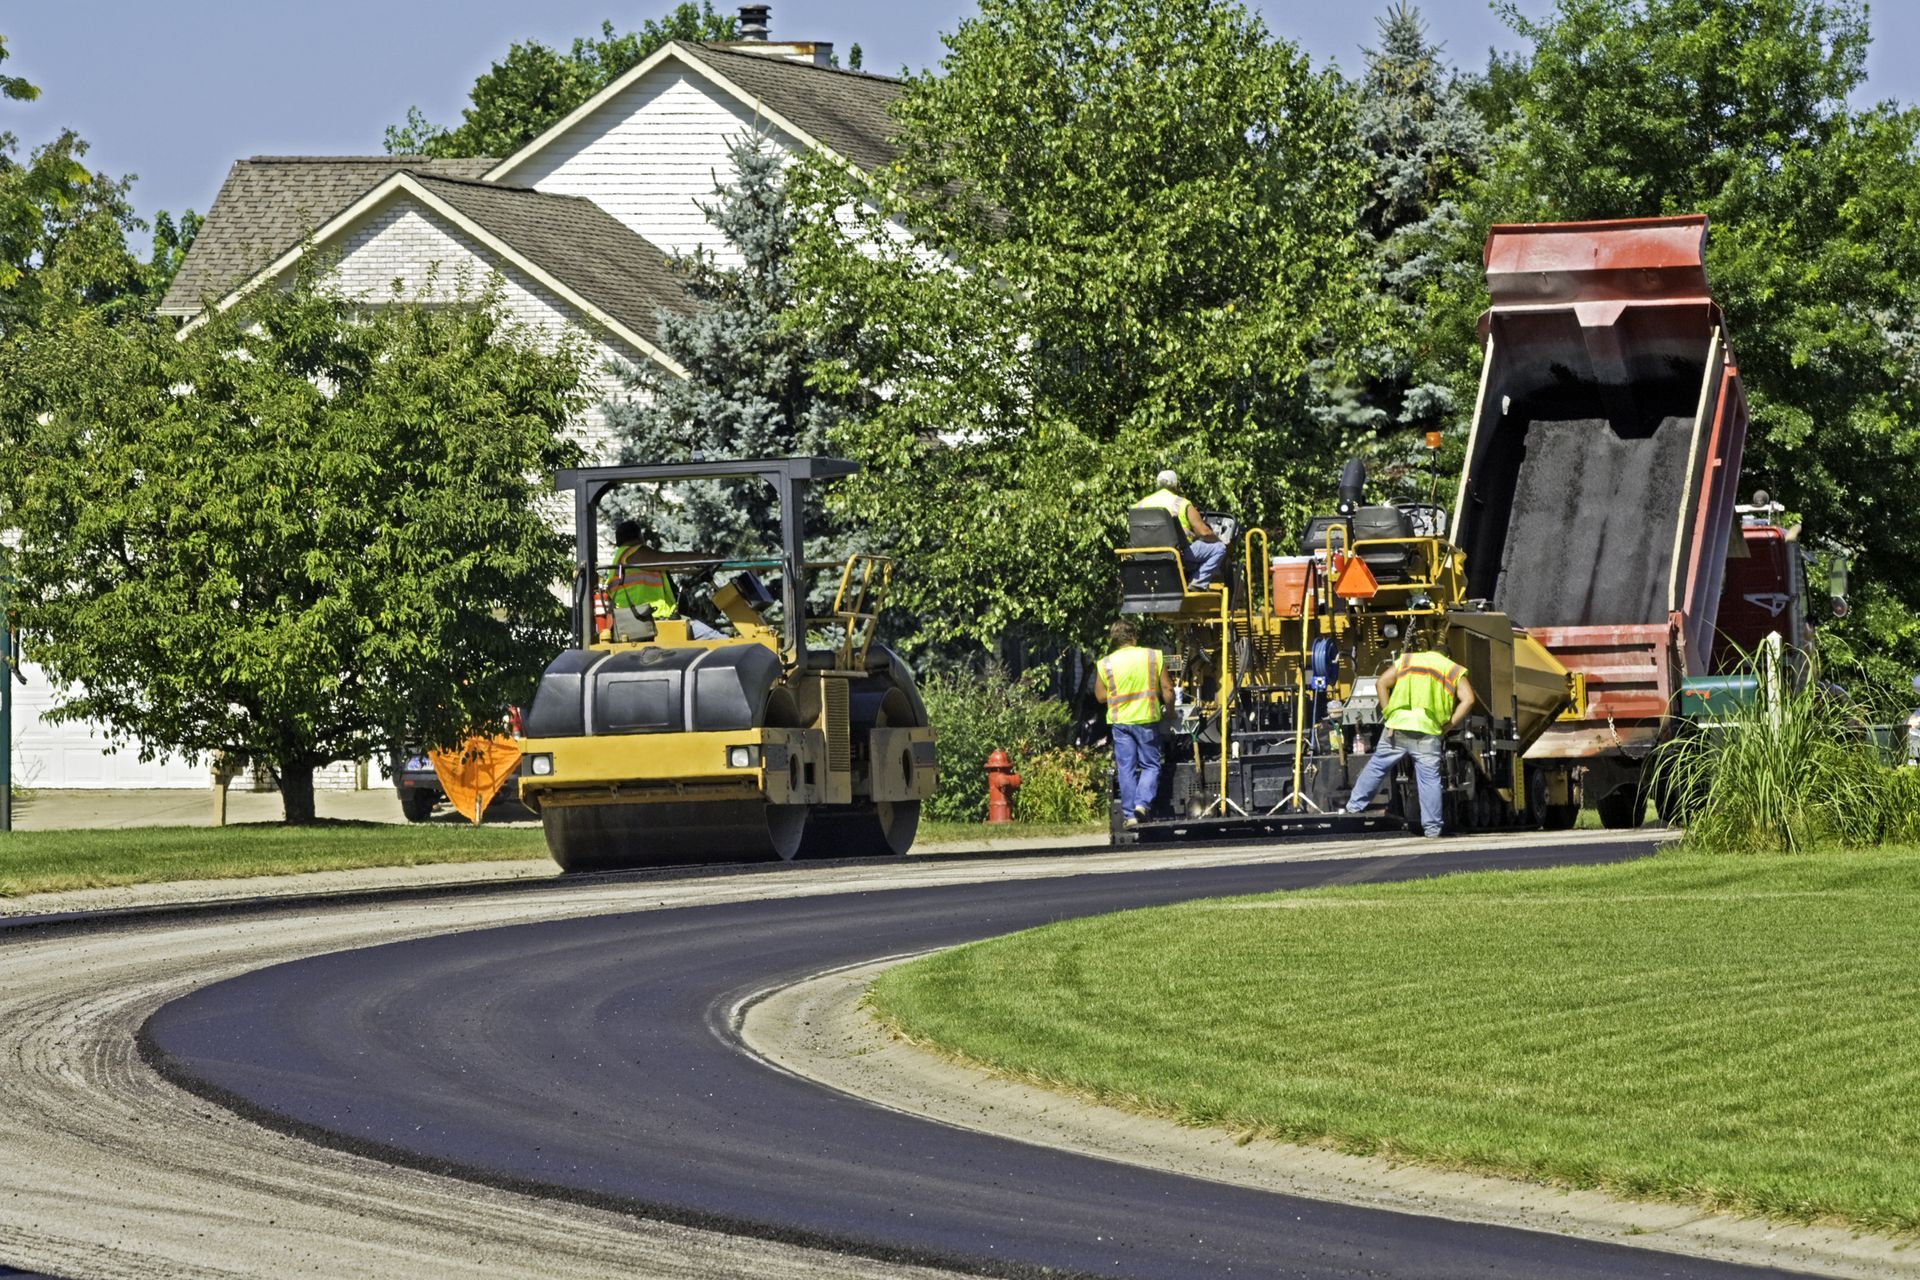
[56,756]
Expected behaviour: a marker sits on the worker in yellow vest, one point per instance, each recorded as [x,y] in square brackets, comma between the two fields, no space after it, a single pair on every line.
[1203,550]
[1134,684]
[638,581]
[1426,696]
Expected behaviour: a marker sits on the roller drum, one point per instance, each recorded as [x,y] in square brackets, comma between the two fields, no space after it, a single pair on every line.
[621,837]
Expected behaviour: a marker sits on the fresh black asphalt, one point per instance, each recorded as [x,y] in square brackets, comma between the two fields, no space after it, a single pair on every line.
[593,1060]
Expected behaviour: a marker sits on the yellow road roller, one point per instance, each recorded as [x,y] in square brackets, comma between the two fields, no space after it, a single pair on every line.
[795,736]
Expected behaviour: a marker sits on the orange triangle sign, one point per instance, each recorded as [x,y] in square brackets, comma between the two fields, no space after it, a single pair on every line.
[1356,581]
[472,774]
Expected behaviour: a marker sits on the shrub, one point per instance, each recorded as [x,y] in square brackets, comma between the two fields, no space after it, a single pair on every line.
[1900,807]
[1779,779]
[973,715]
[1063,785]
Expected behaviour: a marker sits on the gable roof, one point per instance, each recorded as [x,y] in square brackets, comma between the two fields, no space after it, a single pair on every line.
[844,110]
[567,244]
[841,112]
[575,241]
[268,203]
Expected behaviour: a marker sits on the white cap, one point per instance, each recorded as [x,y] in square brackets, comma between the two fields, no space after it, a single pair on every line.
[1168,479]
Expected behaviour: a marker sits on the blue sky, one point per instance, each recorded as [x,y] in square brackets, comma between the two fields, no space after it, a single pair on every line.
[176,92]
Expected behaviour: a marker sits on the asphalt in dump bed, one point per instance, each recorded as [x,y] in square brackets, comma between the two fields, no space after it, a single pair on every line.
[1591,529]
[594,1060]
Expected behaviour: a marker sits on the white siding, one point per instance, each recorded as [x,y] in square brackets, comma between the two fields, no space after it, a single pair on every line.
[650,156]
[57,756]
[404,242]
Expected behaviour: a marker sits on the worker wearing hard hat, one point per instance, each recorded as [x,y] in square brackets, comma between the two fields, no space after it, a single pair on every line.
[638,582]
[1204,551]
[1427,696]
[1134,684]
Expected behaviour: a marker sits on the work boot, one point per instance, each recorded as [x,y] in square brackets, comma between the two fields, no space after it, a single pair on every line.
[1141,813]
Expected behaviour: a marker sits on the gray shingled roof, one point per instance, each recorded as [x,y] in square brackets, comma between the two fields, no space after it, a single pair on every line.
[576,242]
[268,203]
[846,110]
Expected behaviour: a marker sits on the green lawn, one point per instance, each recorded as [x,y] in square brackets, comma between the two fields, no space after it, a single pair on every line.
[40,861]
[1733,1032]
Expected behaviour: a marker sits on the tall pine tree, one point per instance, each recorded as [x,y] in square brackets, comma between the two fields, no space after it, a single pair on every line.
[746,393]
[1424,143]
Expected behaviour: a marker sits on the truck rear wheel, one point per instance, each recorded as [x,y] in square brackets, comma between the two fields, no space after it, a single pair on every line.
[1622,809]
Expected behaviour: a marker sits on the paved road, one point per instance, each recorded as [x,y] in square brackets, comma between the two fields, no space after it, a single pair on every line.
[591,1060]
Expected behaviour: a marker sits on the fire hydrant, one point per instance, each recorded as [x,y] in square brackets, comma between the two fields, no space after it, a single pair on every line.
[1002,782]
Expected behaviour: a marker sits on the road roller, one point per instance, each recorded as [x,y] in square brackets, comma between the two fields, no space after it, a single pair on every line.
[1274,672]
[797,735]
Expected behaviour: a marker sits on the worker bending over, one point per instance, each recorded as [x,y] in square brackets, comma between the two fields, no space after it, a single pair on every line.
[639,578]
[1134,684]
[1427,696]
[1202,551]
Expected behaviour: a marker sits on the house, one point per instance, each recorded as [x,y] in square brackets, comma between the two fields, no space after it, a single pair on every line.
[580,224]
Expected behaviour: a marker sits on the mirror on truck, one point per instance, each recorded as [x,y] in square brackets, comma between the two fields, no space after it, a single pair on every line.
[1837,583]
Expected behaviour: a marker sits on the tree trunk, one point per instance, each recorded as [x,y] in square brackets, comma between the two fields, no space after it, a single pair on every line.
[296,791]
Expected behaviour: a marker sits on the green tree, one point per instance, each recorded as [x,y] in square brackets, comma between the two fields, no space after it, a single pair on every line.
[64,229]
[304,533]
[746,393]
[13,86]
[1740,111]
[1131,232]
[534,85]
[1426,145]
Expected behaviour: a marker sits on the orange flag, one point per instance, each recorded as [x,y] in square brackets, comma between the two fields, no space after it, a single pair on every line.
[473,774]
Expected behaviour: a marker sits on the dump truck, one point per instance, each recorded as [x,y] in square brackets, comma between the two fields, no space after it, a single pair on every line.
[796,736]
[1276,710]
[1597,504]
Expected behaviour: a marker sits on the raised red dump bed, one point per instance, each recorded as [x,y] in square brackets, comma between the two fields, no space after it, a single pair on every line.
[1597,500]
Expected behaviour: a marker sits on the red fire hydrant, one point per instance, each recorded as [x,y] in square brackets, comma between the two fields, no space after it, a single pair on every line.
[1002,782]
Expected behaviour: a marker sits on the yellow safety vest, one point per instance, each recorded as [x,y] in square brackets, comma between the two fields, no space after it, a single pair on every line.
[1425,689]
[1133,685]
[1168,500]
[630,588]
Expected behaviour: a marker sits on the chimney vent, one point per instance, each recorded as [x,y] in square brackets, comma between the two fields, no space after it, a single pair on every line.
[753,21]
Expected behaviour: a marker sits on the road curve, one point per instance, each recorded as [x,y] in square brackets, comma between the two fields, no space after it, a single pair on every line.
[591,1061]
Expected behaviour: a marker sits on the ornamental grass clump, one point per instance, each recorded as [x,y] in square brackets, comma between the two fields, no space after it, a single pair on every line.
[1783,771]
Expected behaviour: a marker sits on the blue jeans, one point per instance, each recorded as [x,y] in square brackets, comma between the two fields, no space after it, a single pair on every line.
[1395,746]
[1203,560]
[1136,764]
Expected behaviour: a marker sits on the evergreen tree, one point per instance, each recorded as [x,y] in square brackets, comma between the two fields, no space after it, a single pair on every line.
[1424,143]
[746,393]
